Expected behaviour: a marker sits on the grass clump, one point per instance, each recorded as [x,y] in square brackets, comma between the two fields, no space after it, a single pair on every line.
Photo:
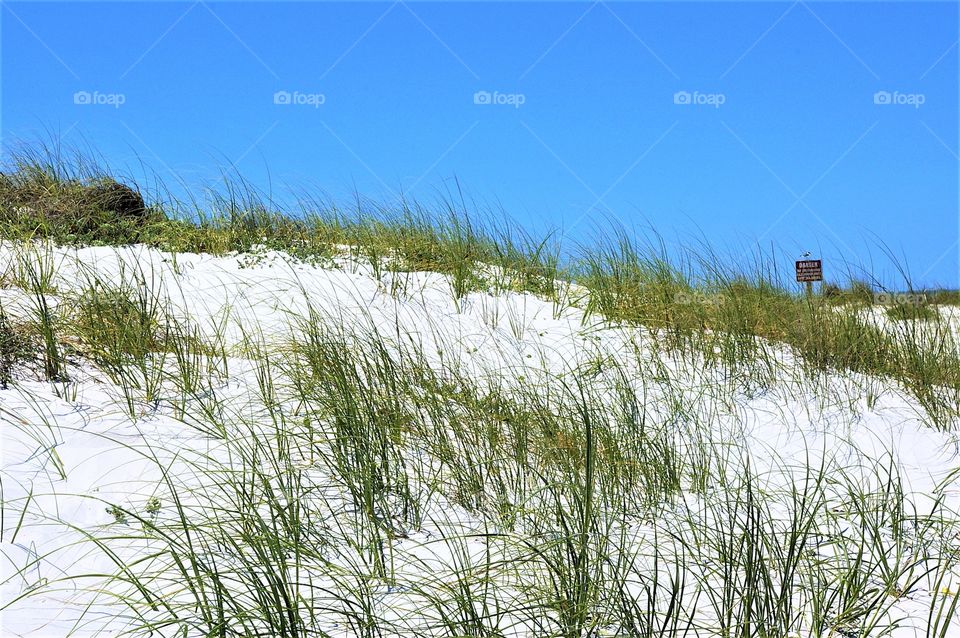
[114,324]
[123,327]
[943,296]
[34,269]
[911,312]
[856,293]
[15,348]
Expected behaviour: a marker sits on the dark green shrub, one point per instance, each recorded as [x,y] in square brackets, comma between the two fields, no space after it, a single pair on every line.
[93,210]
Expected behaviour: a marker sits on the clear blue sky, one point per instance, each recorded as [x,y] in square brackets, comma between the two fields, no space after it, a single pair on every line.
[787,145]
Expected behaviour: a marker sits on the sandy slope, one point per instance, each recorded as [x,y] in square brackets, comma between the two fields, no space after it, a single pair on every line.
[95,449]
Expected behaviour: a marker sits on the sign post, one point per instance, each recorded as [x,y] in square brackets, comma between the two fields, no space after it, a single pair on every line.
[809,271]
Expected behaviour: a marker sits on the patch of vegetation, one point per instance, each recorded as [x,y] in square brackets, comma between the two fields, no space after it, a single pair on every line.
[33,268]
[122,326]
[38,200]
[114,323]
[73,200]
[911,312]
[943,296]
[153,506]
[856,293]
[15,348]
[734,317]
[118,514]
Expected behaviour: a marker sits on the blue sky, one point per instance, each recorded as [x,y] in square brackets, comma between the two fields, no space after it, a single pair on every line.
[830,127]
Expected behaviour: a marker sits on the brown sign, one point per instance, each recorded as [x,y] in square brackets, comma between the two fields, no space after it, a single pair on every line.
[810,270]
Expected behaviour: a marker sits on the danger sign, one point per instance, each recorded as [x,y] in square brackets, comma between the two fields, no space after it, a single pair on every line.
[810,270]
